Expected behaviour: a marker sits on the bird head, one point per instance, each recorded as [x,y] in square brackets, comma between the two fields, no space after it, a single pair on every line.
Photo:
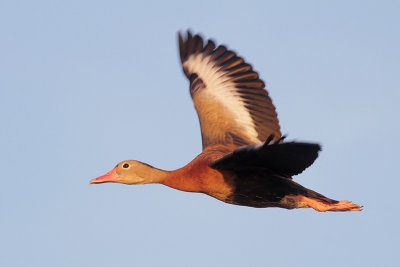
[126,172]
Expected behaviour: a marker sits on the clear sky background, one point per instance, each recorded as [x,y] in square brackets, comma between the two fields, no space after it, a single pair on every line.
[86,84]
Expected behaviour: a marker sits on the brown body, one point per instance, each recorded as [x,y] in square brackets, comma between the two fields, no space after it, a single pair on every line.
[265,190]
[244,159]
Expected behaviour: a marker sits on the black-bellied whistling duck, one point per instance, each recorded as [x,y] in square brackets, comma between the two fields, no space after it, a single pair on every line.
[245,160]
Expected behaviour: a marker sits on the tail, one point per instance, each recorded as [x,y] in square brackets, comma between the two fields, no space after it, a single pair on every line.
[318,202]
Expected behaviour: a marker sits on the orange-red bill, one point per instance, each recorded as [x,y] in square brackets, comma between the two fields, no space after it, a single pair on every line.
[111,176]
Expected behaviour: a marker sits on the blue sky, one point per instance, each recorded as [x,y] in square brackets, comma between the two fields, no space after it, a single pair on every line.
[86,84]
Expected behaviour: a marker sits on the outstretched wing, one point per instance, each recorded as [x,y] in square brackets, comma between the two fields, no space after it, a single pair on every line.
[285,159]
[230,99]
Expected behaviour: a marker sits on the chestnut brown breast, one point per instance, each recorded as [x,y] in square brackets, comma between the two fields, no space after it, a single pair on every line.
[198,176]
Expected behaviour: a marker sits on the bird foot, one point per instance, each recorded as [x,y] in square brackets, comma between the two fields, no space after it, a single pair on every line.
[323,206]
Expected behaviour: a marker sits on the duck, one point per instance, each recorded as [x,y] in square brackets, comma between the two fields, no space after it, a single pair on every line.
[245,160]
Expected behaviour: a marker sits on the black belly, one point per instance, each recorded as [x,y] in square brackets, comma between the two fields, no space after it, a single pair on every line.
[260,190]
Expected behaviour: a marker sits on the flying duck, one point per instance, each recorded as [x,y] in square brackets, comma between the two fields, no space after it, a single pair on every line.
[245,159]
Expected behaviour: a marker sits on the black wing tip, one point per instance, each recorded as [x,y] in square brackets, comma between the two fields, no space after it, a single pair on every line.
[270,140]
[189,43]
[241,72]
[187,40]
[282,140]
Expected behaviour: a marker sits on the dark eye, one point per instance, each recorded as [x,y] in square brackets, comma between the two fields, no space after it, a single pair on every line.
[126,165]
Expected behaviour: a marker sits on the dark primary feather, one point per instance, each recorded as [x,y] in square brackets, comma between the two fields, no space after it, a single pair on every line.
[285,159]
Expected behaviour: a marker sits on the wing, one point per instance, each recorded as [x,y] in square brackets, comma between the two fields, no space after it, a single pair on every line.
[286,159]
[230,99]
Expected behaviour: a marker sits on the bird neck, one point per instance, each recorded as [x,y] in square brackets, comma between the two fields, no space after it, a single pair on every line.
[153,175]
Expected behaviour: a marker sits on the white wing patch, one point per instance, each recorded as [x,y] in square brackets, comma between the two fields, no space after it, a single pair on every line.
[219,88]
